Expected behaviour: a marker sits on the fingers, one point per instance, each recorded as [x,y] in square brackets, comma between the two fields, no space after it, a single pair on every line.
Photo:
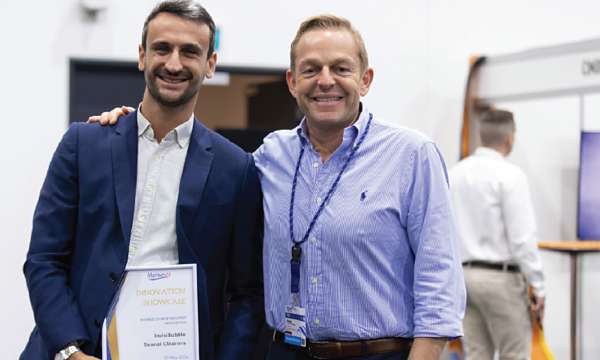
[111,117]
[93,119]
[103,118]
[538,308]
[114,115]
[541,310]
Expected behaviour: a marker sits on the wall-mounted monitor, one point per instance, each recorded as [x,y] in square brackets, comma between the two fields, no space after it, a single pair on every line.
[588,219]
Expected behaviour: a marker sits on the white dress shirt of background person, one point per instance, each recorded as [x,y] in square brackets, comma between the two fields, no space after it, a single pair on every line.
[496,225]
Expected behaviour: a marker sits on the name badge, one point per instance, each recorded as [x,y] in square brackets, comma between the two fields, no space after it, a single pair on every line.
[295,326]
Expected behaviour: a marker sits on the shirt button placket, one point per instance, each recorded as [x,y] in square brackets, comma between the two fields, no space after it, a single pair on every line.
[315,288]
[313,251]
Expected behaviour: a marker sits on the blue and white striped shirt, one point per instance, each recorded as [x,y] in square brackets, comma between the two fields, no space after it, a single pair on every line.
[382,259]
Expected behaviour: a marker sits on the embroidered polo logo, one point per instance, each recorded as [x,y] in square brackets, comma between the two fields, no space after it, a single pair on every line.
[363,195]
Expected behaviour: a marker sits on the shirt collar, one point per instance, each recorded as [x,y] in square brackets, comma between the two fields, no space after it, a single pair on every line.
[488,152]
[181,133]
[351,132]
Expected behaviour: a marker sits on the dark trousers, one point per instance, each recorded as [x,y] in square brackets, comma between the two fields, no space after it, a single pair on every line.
[290,352]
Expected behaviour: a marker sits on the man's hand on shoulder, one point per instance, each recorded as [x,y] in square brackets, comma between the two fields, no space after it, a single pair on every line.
[111,117]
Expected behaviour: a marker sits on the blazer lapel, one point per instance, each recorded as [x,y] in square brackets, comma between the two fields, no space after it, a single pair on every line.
[193,180]
[124,160]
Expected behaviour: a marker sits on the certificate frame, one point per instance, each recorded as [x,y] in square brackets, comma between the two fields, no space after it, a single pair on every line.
[157,312]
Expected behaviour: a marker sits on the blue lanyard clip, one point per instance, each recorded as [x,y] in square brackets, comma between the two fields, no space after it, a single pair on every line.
[296,253]
[295,268]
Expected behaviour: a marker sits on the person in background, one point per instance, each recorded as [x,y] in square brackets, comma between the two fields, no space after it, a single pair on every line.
[496,224]
[361,258]
[159,188]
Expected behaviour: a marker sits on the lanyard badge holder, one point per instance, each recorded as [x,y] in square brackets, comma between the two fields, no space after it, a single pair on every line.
[295,314]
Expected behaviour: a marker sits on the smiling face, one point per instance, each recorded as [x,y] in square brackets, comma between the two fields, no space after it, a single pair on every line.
[175,60]
[327,79]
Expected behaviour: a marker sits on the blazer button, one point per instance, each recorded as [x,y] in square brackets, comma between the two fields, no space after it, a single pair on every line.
[113,276]
[97,322]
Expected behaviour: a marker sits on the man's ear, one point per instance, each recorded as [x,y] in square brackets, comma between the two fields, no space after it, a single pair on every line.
[510,143]
[365,81]
[141,54]
[291,82]
[212,65]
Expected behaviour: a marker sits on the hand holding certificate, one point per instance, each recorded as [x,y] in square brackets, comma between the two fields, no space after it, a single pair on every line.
[154,315]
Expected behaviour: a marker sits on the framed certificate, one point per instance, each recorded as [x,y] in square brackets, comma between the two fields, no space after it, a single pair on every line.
[154,315]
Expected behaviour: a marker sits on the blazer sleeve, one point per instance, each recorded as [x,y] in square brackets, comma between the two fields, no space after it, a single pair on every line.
[245,286]
[46,268]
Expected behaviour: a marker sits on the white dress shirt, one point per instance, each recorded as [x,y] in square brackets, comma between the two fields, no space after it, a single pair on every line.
[160,165]
[494,214]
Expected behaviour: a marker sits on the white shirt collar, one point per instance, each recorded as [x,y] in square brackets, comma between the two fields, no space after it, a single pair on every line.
[181,134]
[488,152]
[350,132]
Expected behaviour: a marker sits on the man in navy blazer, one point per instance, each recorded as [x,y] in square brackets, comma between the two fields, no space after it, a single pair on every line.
[92,218]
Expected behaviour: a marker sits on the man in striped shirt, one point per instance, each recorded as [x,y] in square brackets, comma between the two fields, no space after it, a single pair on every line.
[367,204]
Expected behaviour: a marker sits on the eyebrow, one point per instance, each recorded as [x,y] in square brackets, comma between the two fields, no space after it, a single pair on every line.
[185,46]
[193,47]
[314,62]
[338,59]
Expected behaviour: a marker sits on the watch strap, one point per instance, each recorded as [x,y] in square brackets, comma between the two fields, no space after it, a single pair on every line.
[67,351]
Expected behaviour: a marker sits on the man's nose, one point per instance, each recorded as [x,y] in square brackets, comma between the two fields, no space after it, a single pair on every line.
[326,79]
[173,63]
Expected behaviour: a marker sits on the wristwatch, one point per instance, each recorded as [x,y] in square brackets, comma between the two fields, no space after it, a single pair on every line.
[66,353]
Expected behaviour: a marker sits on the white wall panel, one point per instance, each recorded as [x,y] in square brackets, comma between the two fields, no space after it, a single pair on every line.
[591,113]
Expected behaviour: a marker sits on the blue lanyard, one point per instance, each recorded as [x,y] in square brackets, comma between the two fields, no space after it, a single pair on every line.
[296,249]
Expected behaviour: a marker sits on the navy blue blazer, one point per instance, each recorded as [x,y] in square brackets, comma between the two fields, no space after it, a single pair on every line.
[82,225]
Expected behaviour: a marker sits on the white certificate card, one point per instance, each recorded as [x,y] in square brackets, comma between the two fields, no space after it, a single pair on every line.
[154,315]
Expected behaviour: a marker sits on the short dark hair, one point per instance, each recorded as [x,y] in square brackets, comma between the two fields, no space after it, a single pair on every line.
[495,126]
[188,10]
[329,22]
